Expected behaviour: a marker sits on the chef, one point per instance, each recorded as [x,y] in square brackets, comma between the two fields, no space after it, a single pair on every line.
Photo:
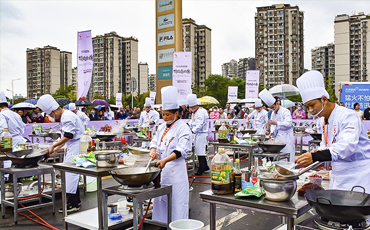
[260,117]
[344,139]
[13,122]
[72,131]
[281,122]
[171,145]
[149,117]
[199,127]
[84,118]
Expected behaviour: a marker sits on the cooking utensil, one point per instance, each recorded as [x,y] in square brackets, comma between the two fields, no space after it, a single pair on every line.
[285,167]
[316,136]
[30,159]
[279,190]
[339,205]
[272,148]
[105,137]
[250,131]
[147,166]
[258,137]
[9,189]
[138,150]
[135,176]
[293,176]
[107,158]
[299,129]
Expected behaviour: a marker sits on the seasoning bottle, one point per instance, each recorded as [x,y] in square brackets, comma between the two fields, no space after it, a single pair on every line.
[104,146]
[7,140]
[97,145]
[34,125]
[222,134]
[254,178]
[221,172]
[92,147]
[237,176]
[232,135]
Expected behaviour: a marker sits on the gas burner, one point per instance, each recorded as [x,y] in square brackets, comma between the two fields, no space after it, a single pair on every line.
[130,189]
[25,166]
[331,225]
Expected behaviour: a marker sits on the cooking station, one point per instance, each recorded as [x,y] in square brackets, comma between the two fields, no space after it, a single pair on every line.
[316,223]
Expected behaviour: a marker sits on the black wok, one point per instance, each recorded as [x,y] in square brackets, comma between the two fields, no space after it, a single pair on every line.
[341,206]
[316,136]
[105,137]
[135,176]
[271,148]
[31,159]
[245,131]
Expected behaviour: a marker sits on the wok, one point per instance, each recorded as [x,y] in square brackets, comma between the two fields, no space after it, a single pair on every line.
[135,176]
[339,205]
[251,131]
[316,136]
[28,159]
[105,137]
[271,148]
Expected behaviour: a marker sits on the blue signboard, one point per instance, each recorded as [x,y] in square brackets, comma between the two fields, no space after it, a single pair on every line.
[353,93]
[165,72]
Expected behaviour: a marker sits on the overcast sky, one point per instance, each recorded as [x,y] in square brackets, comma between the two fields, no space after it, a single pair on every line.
[30,24]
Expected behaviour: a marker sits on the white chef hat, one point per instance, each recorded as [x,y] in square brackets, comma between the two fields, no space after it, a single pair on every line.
[2,97]
[258,103]
[72,106]
[311,86]
[192,100]
[47,103]
[266,96]
[182,102]
[148,101]
[198,102]
[169,98]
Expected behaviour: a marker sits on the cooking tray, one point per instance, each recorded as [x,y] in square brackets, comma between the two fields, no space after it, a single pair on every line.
[271,148]
[341,206]
[316,136]
[30,159]
[105,137]
[135,176]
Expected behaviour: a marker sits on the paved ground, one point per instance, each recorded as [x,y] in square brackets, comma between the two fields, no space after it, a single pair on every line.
[198,211]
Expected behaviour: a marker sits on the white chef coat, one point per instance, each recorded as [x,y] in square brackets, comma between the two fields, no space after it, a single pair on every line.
[199,126]
[283,131]
[174,173]
[84,118]
[71,123]
[349,146]
[260,120]
[16,127]
[146,118]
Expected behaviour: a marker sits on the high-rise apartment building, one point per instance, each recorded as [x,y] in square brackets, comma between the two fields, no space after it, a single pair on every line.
[323,60]
[115,62]
[352,52]
[151,82]
[279,44]
[74,77]
[44,71]
[245,64]
[143,78]
[197,39]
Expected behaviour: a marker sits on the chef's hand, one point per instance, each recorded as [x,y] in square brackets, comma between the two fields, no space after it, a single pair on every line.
[272,122]
[151,123]
[162,163]
[247,122]
[49,150]
[56,149]
[153,153]
[304,160]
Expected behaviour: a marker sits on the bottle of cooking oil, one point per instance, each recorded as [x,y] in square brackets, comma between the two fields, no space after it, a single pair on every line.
[221,171]
[85,142]
[222,134]
[7,140]
[237,176]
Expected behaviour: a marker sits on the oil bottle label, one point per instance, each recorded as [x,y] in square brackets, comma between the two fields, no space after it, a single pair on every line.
[8,143]
[221,174]
[222,134]
[238,183]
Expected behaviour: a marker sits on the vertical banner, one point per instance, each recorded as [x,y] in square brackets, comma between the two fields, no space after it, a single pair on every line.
[85,62]
[152,97]
[181,75]
[232,93]
[119,100]
[251,84]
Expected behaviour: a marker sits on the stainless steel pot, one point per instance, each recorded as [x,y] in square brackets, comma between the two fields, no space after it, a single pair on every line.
[299,129]
[279,190]
[107,159]
[9,189]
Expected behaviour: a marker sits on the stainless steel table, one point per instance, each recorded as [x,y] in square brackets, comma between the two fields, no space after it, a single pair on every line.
[138,199]
[300,135]
[93,172]
[26,172]
[3,157]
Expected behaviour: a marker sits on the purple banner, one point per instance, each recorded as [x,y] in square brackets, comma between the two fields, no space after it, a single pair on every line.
[85,62]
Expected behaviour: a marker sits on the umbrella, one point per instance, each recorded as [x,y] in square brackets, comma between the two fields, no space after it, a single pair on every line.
[285,90]
[100,102]
[287,103]
[234,101]
[24,105]
[248,100]
[32,101]
[211,99]
[63,101]
[204,101]
[83,103]
[112,107]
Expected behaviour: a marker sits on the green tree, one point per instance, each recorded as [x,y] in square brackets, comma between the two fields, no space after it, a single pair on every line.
[65,91]
[19,100]
[98,96]
[112,100]
[330,90]
[217,87]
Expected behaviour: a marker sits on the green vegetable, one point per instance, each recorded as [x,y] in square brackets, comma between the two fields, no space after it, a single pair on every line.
[255,191]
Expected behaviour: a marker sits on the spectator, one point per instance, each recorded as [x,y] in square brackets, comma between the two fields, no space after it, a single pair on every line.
[238,112]
[36,116]
[358,111]
[223,115]
[265,107]
[246,113]
[299,113]
[25,118]
[229,110]
[185,112]
[229,116]
[84,110]
[214,114]
[121,114]
[341,104]
[108,115]
[367,113]
[101,115]
[293,109]
[128,112]
[94,115]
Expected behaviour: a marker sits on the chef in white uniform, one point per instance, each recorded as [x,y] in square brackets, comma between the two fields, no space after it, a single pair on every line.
[72,131]
[171,145]
[148,118]
[84,118]
[260,117]
[281,120]
[199,127]
[13,122]
[344,139]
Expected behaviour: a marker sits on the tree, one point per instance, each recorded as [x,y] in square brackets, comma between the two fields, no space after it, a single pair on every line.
[329,89]
[98,96]
[217,87]
[19,100]
[65,91]
[112,100]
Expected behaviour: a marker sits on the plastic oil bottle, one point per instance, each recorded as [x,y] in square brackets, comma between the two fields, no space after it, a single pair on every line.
[85,142]
[221,173]
[7,140]
[222,134]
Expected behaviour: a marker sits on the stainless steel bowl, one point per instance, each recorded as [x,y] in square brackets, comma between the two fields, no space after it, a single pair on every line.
[279,190]
[138,150]
[258,137]
[107,159]
[299,129]
[9,189]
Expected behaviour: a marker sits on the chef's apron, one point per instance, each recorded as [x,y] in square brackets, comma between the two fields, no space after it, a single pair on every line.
[72,148]
[286,137]
[200,143]
[174,173]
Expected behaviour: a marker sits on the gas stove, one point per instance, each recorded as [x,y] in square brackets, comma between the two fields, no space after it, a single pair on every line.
[316,222]
[129,189]
[30,166]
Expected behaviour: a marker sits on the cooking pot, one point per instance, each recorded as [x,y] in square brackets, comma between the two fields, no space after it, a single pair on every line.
[105,137]
[9,189]
[271,148]
[341,206]
[107,159]
[30,159]
[279,190]
[135,176]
